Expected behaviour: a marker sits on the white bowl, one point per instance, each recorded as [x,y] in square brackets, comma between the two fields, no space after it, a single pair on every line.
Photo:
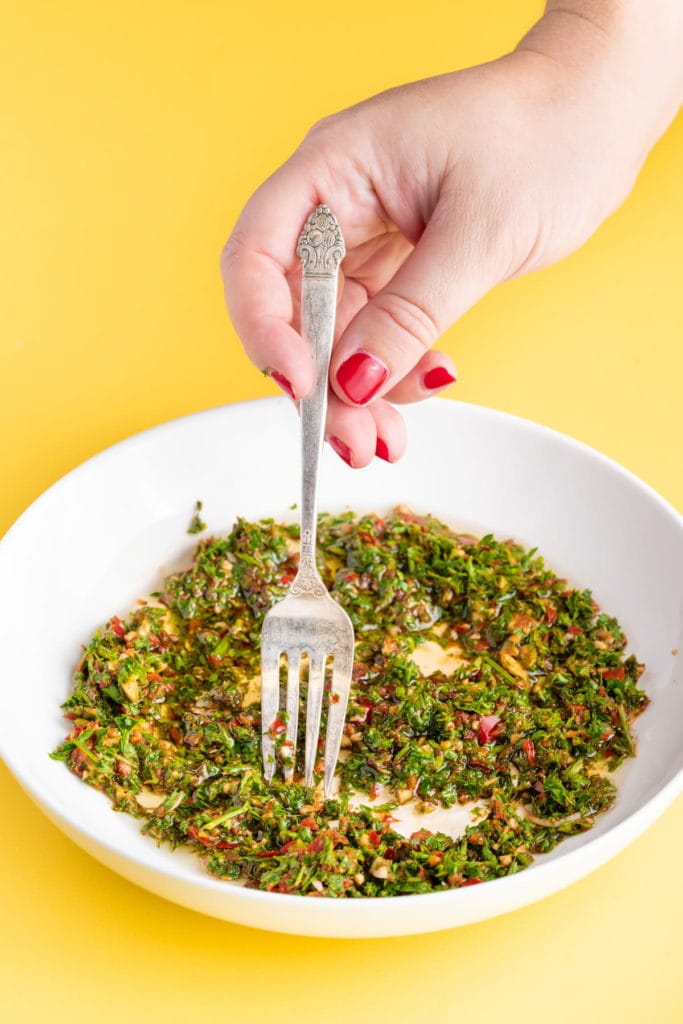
[107,532]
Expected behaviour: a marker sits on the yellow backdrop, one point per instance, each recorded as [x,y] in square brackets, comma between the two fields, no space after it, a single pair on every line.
[131,133]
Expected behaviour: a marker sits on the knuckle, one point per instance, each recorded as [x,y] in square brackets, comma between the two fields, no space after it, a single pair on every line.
[231,251]
[323,126]
[410,317]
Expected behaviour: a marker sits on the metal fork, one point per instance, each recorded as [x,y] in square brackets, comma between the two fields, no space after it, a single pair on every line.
[308,621]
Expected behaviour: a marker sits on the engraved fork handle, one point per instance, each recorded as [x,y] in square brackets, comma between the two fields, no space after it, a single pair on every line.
[321,250]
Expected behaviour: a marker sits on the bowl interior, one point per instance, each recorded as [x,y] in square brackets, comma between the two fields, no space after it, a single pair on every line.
[109,531]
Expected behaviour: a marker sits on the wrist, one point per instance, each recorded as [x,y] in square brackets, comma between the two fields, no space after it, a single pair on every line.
[620,61]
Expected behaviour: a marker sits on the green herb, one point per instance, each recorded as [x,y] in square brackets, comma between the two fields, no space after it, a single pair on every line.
[197,524]
[527,721]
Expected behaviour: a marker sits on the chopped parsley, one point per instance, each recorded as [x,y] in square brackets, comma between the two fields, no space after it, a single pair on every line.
[197,524]
[527,719]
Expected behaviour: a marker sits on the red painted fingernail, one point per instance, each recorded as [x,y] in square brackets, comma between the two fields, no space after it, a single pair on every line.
[439,377]
[361,376]
[342,450]
[280,379]
[381,450]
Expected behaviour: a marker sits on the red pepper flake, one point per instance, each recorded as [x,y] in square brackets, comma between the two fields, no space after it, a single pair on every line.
[268,853]
[498,810]
[374,837]
[530,750]
[226,846]
[550,614]
[575,630]
[488,727]
[286,578]
[614,673]
[278,727]
[214,660]
[309,823]
[316,845]
[463,627]
[195,834]
[471,881]
[117,627]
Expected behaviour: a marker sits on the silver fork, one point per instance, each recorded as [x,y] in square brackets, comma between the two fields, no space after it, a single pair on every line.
[308,621]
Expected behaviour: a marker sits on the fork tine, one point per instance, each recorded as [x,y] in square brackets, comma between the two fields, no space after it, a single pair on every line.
[293,676]
[342,667]
[316,683]
[270,705]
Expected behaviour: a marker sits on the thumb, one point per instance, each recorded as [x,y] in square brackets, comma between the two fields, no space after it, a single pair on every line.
[446,273]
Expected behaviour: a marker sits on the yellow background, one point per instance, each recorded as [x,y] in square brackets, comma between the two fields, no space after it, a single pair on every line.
[130,136]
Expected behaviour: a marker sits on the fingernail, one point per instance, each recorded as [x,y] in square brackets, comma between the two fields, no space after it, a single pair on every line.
[342,450]
[361,376]
[439,377]
[381,450]
[280,379]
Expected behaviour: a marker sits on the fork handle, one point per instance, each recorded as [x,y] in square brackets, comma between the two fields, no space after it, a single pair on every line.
[321,250]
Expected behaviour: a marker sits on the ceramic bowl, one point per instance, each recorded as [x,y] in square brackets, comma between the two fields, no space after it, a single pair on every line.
[110,530]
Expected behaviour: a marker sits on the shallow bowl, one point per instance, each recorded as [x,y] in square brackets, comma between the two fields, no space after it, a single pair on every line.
[110,530]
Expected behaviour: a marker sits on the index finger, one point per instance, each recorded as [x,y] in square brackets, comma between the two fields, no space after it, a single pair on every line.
[260,258]
[255,264]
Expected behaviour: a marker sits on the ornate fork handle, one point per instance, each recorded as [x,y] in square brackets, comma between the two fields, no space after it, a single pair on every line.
[321,250]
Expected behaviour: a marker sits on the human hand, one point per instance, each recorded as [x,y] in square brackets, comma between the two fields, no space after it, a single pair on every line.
[444,188]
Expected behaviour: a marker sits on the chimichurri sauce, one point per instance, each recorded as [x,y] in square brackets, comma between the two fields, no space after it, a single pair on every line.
[533,710]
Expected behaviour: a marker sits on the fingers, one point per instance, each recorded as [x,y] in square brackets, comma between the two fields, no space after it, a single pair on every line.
[390,430]
[255,264]
[358,435]
[261,269]
[389,336]
[351,433]
[434,372]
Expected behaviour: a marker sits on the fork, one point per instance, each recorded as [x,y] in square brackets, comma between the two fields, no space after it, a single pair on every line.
[307,621]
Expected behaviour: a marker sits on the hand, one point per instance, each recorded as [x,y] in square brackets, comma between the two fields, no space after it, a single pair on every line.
[443,188]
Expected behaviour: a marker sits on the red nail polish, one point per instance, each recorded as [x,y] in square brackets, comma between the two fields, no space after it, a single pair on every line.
[361,376]
[381,450]
[280,379]
[439,377]
[342,450]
